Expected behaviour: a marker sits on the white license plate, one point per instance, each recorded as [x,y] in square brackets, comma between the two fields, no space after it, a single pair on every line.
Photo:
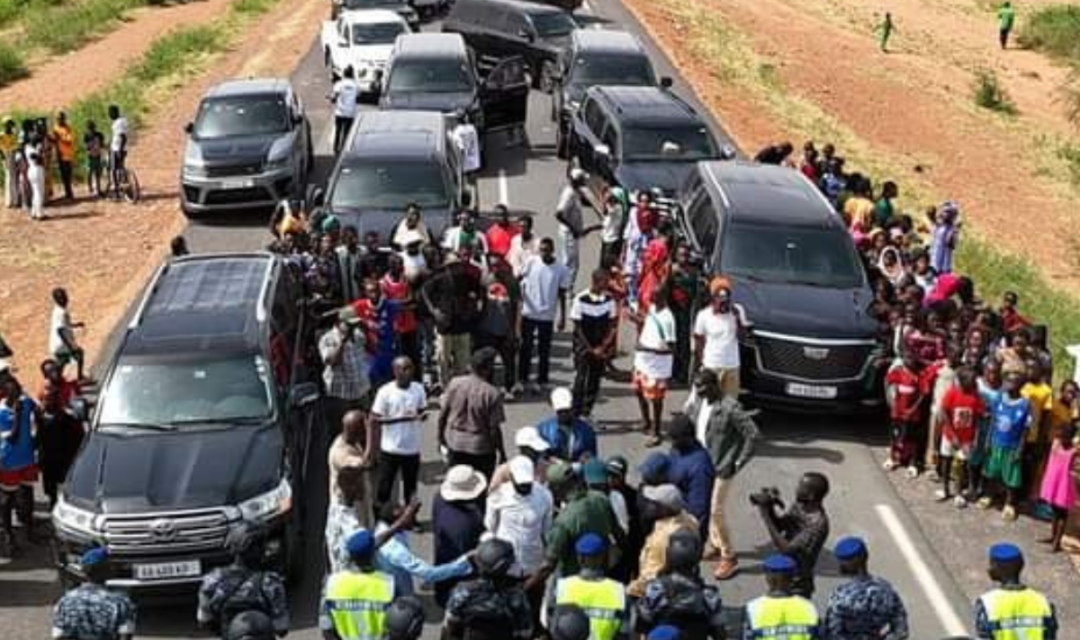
[810,391]
[237,184]
[168,570]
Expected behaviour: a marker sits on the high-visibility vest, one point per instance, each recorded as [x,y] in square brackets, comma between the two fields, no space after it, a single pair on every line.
[604,601]
[355,603]
[1017,614]
[786,618]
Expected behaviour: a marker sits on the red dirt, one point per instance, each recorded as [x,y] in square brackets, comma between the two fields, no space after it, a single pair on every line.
[104,252]
[60,80]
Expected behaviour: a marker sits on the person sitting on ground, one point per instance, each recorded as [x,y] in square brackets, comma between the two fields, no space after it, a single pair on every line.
[91,610]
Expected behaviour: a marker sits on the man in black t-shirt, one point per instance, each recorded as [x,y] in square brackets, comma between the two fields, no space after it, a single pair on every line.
[593,314]
[455,296]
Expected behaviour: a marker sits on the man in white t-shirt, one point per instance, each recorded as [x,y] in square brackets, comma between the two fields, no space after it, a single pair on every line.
[468,142]
[62,344]
[346,97]
[716,339]
[653,360]
[398,413]
[118,144]
[544,282]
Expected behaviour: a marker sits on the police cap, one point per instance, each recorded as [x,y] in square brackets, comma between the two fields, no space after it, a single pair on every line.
[780,563]
[664,632]
[1006,552]
[589,545]
[850,548]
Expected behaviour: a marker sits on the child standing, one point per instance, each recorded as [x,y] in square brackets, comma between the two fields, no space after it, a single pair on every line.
[1059,483]
[944,378]
[908,393]
[989,385]
[1011,421]
[961,410]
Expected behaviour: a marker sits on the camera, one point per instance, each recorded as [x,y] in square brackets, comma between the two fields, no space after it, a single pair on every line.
[767,497]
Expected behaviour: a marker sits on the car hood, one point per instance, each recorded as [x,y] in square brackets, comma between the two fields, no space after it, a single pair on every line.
[420,101]
[668,176]
[808,311]
[146,472]
[237,150]
[369,52]
[383,221]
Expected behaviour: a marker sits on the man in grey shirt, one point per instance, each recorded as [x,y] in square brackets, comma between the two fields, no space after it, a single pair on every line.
[470,421]
[571,221]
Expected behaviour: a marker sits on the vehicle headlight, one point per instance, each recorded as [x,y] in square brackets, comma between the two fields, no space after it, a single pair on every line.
[193,170]
[67,516]
[270,504]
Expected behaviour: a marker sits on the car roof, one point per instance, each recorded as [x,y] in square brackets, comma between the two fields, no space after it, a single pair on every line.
[203,302]
[522,6]
[646,105]
[767,194]
[431,44]
[398,133]
[249,86]
[607,41]
[370,16]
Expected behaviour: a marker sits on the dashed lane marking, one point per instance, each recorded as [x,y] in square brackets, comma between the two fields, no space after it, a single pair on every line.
[504,188]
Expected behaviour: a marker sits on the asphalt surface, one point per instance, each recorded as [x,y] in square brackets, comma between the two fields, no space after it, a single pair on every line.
[528,179]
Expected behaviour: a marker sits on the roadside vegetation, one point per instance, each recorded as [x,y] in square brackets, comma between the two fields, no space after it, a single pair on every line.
[989,94]
[1054,30]
[12,65]
[731,60]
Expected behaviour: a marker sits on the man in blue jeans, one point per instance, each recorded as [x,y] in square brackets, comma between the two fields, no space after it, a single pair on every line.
[544,282]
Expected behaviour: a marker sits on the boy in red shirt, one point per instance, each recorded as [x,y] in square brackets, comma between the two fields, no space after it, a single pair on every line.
[961,410]
[909,397]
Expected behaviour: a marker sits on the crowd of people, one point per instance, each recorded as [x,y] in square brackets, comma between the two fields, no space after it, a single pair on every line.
[35,154]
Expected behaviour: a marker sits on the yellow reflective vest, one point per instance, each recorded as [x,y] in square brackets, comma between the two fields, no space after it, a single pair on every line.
[355,603]
[604,601]
[783,618]
[1017,614]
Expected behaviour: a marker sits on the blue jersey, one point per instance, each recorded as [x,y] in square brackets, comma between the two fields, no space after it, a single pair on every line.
[17,443]
[1011,419]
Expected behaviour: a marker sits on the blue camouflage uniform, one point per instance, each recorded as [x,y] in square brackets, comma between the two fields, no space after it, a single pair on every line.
[93,612]
[862,609]
[234,589]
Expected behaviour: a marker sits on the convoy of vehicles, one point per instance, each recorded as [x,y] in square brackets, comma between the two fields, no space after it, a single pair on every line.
[361,40]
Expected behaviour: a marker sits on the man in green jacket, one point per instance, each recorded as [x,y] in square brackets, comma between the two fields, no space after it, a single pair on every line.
[1006,16]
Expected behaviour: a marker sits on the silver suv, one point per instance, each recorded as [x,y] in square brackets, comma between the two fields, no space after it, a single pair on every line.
[248,147]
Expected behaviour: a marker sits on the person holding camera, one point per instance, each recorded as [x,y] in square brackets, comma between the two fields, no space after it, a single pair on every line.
[801,531]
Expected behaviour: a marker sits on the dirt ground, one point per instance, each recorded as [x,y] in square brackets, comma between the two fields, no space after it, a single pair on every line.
[54,82]
[912,103]
[104,252]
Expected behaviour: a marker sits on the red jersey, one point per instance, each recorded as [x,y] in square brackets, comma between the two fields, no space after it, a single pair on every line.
[962,412]
[369,314]
[499,238]
[909,390]
[398,291]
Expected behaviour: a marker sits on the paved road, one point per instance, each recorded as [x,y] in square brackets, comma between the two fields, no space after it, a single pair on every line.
[528,179]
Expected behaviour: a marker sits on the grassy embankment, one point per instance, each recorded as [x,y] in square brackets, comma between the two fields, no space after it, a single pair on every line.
[733,63]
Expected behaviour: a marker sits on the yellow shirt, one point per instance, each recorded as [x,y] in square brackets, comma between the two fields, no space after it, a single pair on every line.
[859,212]
[654,553]
[8,143]
[1041,397]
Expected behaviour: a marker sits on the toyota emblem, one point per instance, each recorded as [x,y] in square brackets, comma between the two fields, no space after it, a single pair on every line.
[163,529]
[815,353]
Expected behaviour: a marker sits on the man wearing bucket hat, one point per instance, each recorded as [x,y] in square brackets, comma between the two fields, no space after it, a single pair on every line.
[457,518]
[92,611]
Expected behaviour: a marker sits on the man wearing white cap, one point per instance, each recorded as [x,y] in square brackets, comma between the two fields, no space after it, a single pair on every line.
[570,438]
[530,445]
[519,512]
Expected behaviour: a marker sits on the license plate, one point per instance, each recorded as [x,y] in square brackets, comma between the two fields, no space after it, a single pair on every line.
[811,391]
[168,570]
[237,184]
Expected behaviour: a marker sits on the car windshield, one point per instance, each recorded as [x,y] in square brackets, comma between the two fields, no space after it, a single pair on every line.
[553,24]
[367,4]
[430,76]
[676,144]
[241,116]
[613,70]
[377,33]
[378,184]
[186,391]
[821,257]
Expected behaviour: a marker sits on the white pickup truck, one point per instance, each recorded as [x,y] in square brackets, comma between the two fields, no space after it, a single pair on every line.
[361,40]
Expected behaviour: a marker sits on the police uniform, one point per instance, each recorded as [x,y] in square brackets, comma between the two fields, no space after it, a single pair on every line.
[1014,611]
[781,615]
[865,608]
[91,611]
[228,591]
[355,602]
[603,600]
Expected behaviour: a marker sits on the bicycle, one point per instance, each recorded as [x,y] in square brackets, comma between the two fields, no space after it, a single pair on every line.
[124,183]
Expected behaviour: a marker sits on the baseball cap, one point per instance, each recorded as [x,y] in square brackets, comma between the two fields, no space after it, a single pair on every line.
[561,399]
[530,437]
[665,494]
[522,470]
[559,473]
[594,471]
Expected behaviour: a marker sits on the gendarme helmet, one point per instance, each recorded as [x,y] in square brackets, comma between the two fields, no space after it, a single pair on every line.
[244,536]
[569,623]
[683,550]
[405,618]
[494,557]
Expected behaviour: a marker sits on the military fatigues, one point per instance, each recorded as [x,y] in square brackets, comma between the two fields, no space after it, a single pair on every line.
[489,612]
[682,602]
[92,612]
[1015,613]
[231,590]
[864,607]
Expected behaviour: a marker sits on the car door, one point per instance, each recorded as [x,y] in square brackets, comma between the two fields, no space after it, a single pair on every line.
[589,122]
[504,95]
[602,173]
[488,29]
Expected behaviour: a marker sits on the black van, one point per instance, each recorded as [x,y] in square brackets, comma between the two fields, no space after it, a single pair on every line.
[204,419]
[811,340]
[498,29]
[438,72]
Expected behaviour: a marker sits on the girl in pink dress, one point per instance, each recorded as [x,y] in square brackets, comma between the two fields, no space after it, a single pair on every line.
[1058,485]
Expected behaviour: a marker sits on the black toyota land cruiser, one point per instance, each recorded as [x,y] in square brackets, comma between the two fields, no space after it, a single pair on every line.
[203,420]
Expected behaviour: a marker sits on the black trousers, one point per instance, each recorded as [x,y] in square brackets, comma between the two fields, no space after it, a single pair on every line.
[484,463]
[505,347]
[341,130]
[65,177]
[389,465]
[587,375]
[535,333]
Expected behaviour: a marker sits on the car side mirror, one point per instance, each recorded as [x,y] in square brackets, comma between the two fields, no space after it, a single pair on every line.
[303,395]
[315,197]
[466,198]
[602,151]
[525,34]
[666,82]
[189,128]
[80,409]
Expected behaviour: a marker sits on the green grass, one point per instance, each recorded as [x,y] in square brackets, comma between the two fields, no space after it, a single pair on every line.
[989,94]
[12,66]
[252,7]
[65,28]
[170,53]
[1069,153]
[1054,29]
[12,10]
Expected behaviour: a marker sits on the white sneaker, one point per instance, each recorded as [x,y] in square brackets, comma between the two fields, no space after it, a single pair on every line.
[940,495]
[960,502]
[889,464]
[913,471]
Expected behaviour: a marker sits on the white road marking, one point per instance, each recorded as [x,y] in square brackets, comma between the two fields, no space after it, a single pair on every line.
[504,188]
[948,617]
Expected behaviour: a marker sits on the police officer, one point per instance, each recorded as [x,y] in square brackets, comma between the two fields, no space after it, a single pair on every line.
[602,599]
[492,606]
[569,622]
[356,599]
[678,597]
[1013,611]
[92,612]
[243,585]
[405,619]
[781,611]
[865,607]
[250,625]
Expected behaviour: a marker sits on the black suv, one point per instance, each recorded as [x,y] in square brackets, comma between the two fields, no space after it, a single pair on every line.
[811,340]
[203,420]
[638,138]
[498,29]
[596,57]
